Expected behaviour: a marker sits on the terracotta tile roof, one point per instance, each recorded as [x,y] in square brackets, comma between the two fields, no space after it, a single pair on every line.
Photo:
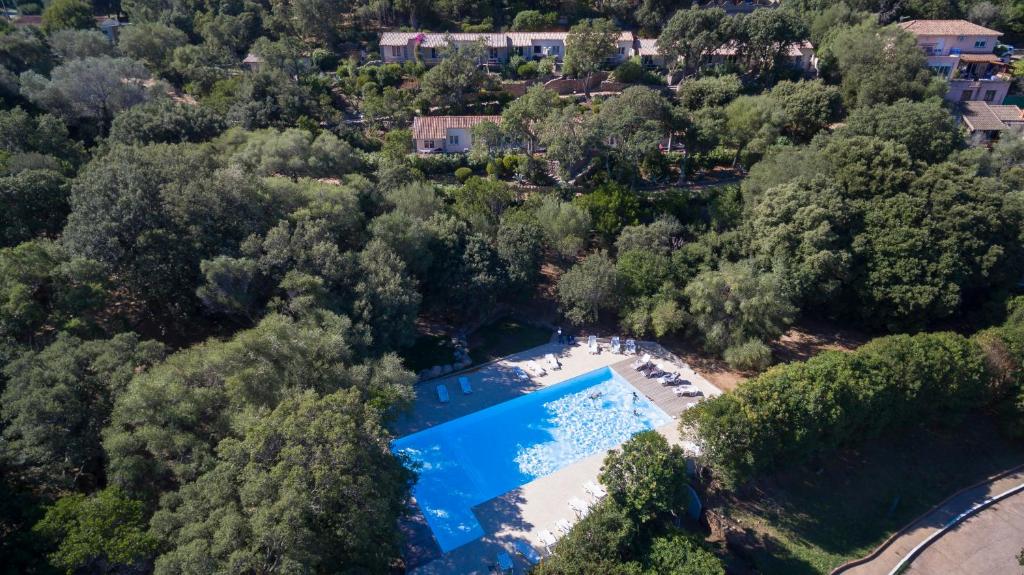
[946,28]
[981,58]
[527,38]
[1007,113]
[436,127]
[438,40]
[396,38]
[648,46]
[979,116]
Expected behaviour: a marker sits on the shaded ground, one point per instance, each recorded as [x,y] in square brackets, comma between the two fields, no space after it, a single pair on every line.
[504,337]
[814,518]
[801,342]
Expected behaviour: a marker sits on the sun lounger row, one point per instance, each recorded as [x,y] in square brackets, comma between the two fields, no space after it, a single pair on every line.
[546,537]
[615,346]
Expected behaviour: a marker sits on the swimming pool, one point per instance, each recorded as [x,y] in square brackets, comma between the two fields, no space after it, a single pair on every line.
[474,458]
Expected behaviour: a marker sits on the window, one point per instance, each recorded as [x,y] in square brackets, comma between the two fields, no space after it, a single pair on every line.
[433,52]
[990,95]
[622,51]
[536,49]
[980,43]
[966,95]
[943,71]
[396,51]
[453,140]
[554,50]
[429,144]
[494,53]
[960,38]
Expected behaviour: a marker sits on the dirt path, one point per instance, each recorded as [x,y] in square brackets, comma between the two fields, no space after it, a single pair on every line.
[948,553]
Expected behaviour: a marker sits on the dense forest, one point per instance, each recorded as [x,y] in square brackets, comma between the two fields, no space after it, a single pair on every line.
[211,274]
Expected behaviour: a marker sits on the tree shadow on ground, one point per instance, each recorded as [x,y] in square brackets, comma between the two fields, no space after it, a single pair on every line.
[845,506]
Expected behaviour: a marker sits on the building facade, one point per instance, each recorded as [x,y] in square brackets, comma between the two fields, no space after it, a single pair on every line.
[448,134]
[401,47]
[962,53]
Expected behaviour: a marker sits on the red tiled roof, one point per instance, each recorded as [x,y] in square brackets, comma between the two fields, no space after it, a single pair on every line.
[980,116]
[437,40]
[946,28]
[436,127]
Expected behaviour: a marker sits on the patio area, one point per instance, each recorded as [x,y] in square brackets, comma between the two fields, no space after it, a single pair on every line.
[536,506]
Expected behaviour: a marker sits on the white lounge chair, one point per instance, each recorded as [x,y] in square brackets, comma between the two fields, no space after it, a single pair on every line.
[547,539]
[552,361]
[536,368]
[616,345]
[642,362]
[526,550]
[687,392]
[464,384]
[520,373]
[442,393]
[631,346]
[580,506]
[505,564]
[563,525]
[592,345]
[594,489]
[668,379]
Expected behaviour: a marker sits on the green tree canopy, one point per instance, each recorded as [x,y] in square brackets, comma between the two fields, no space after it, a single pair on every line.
[89,90]
[736,303]
[588,287]
[646,477]
[56,402]
[588,45]
[310,484]
[456,74]
[691,36]
[64,14]
[927,129]
[877,65]
[106,529]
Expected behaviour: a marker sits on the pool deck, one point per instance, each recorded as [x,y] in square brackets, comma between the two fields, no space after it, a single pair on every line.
[524,512]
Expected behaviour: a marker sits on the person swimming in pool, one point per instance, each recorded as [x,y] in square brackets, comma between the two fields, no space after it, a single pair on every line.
[636,413]
[636,397]
[595,395]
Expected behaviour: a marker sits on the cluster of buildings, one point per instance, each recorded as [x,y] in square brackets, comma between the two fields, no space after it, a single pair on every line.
[959,51]
[426,47]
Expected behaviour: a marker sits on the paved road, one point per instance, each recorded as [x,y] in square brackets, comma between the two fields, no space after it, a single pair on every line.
[953,550]
[984,543]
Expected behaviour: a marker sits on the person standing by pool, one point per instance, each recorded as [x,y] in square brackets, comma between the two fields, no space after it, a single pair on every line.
[635,397]
[560,340]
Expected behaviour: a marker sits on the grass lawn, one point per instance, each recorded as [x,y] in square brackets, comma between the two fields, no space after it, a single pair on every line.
[503,337]
[428,351]
[812,519]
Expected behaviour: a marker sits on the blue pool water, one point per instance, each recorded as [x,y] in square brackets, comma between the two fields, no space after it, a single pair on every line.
[474,458]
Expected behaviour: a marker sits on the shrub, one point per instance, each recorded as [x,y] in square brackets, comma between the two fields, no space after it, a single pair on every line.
[527,70]
[324,60]
[494,169]
[437,164]
[751,355]
[630,72]
[797,411]
[463,174]
[533,21]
